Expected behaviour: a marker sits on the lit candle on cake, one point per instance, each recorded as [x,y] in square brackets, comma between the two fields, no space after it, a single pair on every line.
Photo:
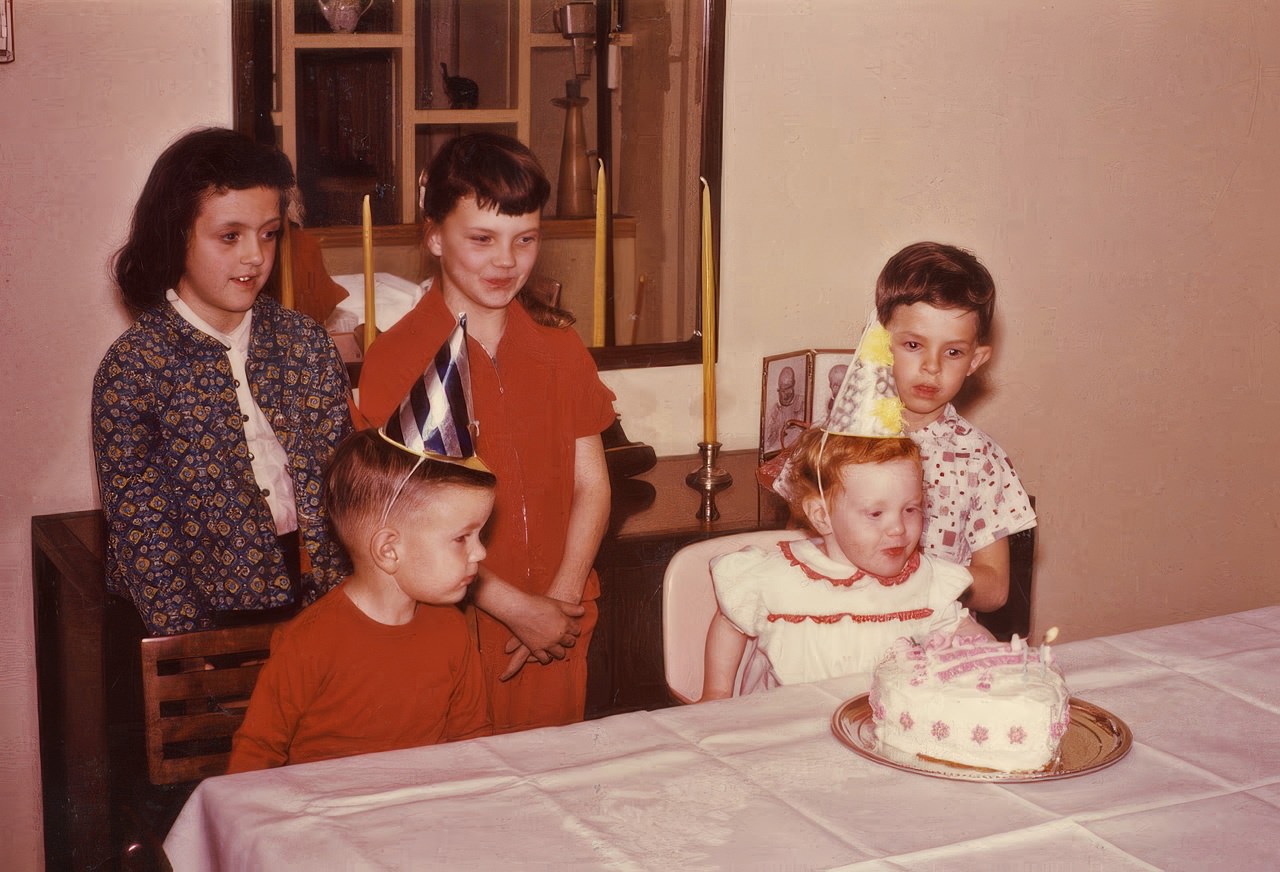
[708,321]
[602,260]
[370,314]
[1046,656]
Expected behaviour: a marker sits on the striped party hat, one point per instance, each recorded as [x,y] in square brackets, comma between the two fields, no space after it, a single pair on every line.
[867,403]
[434,419]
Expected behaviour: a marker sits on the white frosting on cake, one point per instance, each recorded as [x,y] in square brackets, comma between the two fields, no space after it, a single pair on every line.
[972,701]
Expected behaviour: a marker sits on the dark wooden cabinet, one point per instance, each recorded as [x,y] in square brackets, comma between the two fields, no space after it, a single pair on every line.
[100,811]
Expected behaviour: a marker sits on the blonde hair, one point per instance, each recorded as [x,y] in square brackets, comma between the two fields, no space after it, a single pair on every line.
[367,473]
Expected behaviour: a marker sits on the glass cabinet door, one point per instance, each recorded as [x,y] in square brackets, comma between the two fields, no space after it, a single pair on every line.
[363,93]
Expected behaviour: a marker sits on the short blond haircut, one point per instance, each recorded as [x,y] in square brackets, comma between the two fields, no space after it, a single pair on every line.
[364,475]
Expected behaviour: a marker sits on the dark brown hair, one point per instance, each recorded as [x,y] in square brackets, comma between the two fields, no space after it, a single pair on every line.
[205,161]
[940,275]
[500,172]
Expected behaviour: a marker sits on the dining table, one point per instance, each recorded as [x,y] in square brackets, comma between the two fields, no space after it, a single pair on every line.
[764,782]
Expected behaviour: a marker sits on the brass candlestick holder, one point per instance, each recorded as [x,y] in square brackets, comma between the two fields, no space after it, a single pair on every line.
[708,479]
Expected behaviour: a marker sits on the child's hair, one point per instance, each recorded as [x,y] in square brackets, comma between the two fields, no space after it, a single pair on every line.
[940,275]
[364,476]
[202,162]
[500,173]
[811,458]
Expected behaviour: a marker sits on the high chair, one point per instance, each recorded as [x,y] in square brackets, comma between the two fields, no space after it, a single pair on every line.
[689,604]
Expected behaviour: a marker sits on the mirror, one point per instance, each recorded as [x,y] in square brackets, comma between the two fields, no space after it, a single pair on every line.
[534,69]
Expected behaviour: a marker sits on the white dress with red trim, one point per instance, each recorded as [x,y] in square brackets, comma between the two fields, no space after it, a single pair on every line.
[815,617]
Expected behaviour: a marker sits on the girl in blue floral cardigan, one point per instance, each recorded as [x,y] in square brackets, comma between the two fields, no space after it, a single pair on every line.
[215,414]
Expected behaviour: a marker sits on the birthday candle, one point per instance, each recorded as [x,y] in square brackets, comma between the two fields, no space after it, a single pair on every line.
[602,217]
[285,256]
[708,321]
[370,313]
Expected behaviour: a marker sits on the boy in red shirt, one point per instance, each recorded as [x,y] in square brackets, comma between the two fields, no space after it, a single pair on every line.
[385,660]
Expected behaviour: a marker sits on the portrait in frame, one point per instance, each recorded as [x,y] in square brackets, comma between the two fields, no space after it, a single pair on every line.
[785,399]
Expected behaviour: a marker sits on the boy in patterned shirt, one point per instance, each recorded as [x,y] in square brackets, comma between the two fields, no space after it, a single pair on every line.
[937,302]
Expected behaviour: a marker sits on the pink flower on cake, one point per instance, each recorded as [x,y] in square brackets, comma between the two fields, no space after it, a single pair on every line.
[906,721]
[940,730]
[877,710]
[979,734]
[1016,735]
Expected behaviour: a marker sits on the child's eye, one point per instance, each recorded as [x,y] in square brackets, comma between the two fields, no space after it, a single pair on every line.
[230,237]
[911,345]
[528,240]
[479,239]
[955,352]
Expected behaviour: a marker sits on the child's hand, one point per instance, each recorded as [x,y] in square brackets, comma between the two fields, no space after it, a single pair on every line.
[542,631]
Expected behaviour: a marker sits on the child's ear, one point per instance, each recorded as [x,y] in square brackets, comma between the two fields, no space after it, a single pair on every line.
[384,549]
[431,236]
[815,509]
[981,355]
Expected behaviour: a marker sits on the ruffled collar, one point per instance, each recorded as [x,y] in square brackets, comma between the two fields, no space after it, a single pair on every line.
[815,564]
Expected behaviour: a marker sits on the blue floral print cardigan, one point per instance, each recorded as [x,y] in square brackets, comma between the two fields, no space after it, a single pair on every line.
[189,534]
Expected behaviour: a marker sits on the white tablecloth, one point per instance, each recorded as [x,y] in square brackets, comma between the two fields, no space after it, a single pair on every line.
[760,782]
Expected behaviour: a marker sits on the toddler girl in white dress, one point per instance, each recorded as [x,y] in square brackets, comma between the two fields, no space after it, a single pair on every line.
[833,604]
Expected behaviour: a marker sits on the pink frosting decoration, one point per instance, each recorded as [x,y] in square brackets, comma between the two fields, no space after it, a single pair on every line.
[1017,735]
[980,663]
[906,615]
[940,730]
[906,721]
[979,734]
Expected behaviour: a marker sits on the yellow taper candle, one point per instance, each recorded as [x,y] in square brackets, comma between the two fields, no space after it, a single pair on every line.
[602,261]
[708,321]
[285,255]
[370,312]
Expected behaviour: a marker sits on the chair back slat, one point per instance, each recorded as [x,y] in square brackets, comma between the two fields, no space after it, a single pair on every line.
[195,690]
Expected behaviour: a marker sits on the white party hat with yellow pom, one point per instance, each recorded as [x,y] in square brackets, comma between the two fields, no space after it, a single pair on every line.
[867,403]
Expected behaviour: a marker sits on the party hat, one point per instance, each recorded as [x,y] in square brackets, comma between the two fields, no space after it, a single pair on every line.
[867,403]
[434,419]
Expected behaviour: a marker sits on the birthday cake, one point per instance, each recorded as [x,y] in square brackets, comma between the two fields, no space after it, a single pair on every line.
[971,701]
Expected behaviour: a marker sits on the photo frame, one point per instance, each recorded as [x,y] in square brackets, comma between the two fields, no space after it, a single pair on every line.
[810,389]
[785,396]
[829,367]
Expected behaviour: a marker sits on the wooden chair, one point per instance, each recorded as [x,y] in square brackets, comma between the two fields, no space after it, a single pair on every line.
[195,690]
[689,604]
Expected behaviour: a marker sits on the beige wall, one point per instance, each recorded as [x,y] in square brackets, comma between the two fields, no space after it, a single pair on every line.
[1109,163]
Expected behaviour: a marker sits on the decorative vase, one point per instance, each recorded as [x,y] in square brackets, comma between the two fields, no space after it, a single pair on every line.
[573,194]
[343,15]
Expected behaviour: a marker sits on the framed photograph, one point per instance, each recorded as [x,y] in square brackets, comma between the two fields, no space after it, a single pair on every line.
[797,390]
[785,399]
[829,368]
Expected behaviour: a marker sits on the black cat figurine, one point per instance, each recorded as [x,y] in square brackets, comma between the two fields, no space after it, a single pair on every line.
[463,93]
